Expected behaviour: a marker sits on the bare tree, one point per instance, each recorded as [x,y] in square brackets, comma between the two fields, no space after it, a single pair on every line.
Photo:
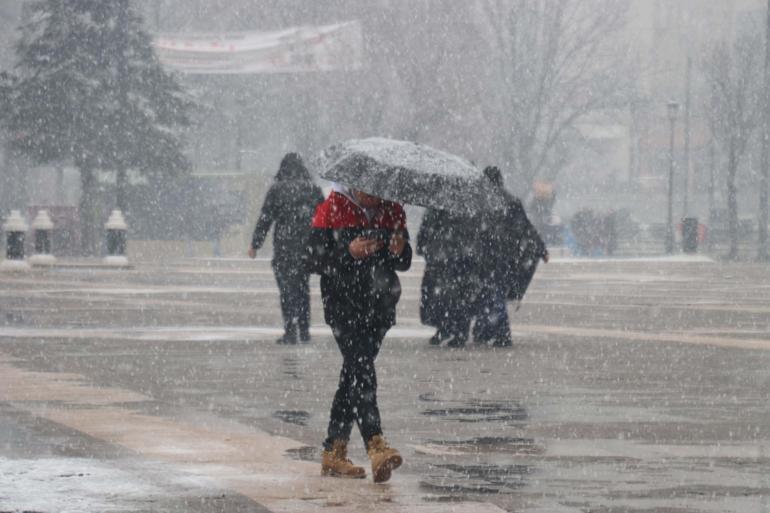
[735,78]
[556,62]
[503,78]
[438,71]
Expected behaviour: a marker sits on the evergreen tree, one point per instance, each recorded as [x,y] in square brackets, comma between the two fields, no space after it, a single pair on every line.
[6,81]
[90,89]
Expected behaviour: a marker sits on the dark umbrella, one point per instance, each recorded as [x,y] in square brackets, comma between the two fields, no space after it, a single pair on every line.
[407,172]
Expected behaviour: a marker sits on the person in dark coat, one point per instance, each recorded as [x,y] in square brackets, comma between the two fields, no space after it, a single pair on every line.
[357,244]
[289,205]
[510,248]
[446,241]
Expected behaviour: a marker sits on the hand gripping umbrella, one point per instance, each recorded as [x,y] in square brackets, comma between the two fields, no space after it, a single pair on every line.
[407,172]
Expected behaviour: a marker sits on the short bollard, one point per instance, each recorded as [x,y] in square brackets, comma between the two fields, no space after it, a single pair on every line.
[690,235]
[15,228]
[116,240]
[43,228]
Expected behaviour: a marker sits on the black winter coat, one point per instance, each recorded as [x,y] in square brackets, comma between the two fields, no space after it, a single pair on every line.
[447,242]
[510,248]
[289,204]
[358,295]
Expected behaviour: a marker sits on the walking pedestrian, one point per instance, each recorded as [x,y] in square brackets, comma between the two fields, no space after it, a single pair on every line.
[358,242]
[446,241]
[289,205]
[511,249]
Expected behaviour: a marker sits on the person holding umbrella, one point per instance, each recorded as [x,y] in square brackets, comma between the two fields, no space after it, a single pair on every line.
[511,249]
[289,205]
[358,241]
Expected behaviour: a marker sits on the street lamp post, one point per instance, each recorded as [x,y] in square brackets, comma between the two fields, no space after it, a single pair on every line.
[673,108]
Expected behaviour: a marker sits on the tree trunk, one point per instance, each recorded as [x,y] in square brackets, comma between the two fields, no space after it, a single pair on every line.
[18,196]
[762,253]
[120,189]
[689,179]
[6,180]
[712,187]
[732,202]
[762,249]
[60,184]
[122,76]
[87,209]
[522,177]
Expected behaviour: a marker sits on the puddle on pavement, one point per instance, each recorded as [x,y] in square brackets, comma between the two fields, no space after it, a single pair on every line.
[457,480]
[304,453]
[452,488]
[491,444]
[296,417]
[291,367]
[11,318]
[503,475]
[477,410]
[441,498]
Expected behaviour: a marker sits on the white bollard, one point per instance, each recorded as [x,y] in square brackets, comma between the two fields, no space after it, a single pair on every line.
[43,228]
[116,240]
[15,228]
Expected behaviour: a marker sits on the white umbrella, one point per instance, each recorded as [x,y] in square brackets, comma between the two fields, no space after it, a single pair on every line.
[407,172]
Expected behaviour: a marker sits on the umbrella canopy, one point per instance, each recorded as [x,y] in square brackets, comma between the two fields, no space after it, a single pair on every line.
[407,172]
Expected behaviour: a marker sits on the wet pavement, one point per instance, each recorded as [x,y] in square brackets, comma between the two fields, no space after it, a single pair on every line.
[632,386]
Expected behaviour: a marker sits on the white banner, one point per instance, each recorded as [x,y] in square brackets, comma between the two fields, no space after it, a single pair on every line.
[297,49]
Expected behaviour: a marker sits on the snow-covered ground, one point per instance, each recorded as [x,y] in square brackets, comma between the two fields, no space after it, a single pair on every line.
[70,485]
[631,385]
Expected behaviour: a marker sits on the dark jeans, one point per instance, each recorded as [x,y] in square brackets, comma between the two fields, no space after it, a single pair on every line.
[295,297]
[356,396]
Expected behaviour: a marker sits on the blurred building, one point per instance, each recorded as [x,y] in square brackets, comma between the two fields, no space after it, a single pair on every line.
[627,153]
[672,38]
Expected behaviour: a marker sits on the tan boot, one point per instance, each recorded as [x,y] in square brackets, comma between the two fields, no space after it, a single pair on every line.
[335,463]
[384,459]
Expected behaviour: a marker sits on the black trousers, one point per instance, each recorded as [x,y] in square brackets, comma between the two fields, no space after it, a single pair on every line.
[492,322]
[293,285]
[447,298]
[356,398]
